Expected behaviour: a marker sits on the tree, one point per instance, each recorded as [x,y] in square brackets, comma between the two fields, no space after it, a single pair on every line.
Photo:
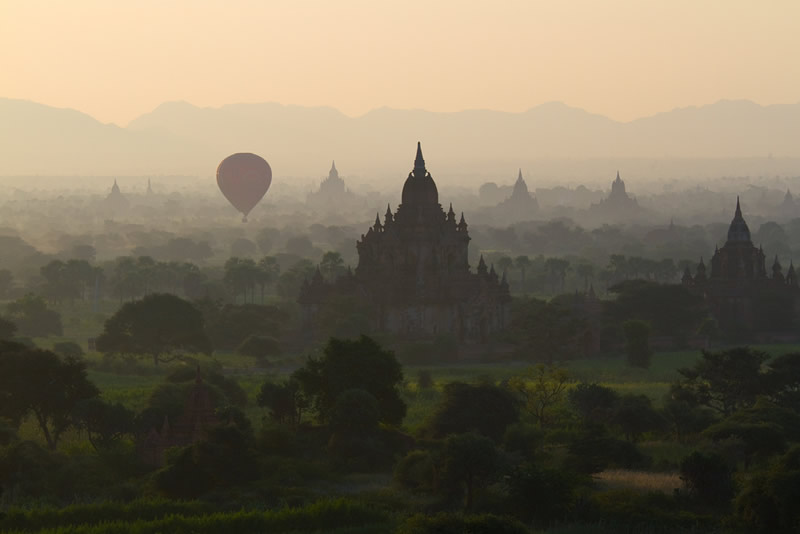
[470,461]
[229,325]
[268,271]
[157,325]
[300,245]
[504,263]
[243,247]
[634,415]
[522,263]
[242,275]
[671,310]
[484,408]
[7,329]
[331,265]
[353,364]
[39,383]
[285,401]
[707,477]
[684,418]
[593,402]
[540,388]
[356,412]
[33,318]
[585,271]
[105,423]
[783,380]
[6,282]
[557,267]
[768,501]
[637,345]
[724,381]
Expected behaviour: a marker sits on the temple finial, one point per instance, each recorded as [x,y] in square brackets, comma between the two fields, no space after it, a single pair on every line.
[419,161]
[519,176]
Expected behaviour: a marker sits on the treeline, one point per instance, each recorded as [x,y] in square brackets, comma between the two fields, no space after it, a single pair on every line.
[485,451]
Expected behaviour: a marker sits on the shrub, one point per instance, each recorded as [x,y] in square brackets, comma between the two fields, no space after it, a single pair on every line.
[424,379]
[416,471]
[707,477]
[551,491]
[485,409]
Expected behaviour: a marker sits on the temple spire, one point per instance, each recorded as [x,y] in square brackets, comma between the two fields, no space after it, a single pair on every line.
[519,176]
[419,162]
[738,209]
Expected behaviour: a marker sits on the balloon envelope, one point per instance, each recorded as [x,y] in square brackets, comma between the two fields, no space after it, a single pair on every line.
[244,178]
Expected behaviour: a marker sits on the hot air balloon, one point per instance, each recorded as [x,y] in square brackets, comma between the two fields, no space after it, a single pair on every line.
[244,178]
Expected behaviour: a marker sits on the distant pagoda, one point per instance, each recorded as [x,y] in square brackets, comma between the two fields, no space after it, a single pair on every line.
[521,203]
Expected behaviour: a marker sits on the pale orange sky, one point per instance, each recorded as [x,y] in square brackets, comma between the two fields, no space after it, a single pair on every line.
[625,59]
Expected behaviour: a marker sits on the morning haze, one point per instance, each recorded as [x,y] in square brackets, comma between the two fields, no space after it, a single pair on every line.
[399,267]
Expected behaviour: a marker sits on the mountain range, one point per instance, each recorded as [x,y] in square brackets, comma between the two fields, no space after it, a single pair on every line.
[180,138]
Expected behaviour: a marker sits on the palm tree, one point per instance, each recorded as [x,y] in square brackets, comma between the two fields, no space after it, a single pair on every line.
[586,271]
[522,263]
[331,265]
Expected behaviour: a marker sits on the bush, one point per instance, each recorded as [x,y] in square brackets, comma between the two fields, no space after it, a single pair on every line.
[593,452]
[485,409]
[416,471]
[339,515]
[522,439]
[551,491]
[424,379]
[768,502]
[708,478]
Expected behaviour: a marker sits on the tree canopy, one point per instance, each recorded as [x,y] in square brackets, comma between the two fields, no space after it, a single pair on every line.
[353,364]
[157,325]
[39,383]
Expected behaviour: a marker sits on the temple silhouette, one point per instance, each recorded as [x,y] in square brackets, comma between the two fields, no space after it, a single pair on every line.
[199,416]
[739,291]
[520,206]
[413,272]
[618,206]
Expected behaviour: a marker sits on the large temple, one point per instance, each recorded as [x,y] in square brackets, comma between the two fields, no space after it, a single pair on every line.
[739,290]
[413,272]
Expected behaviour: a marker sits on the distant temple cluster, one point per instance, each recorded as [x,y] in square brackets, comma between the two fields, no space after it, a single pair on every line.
[739,278]
[413,272]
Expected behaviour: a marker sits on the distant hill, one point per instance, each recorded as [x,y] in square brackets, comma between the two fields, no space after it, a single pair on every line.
[178,137]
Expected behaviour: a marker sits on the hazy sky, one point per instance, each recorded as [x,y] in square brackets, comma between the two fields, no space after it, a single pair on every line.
[625,59]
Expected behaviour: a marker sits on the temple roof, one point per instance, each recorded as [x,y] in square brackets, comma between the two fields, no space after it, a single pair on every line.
[420,188]
[738,232]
